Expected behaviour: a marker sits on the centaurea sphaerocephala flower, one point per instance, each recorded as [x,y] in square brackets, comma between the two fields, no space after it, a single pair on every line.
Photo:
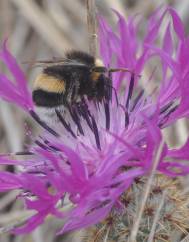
[101,149]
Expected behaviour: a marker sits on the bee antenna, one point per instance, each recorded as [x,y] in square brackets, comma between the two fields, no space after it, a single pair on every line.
[122,70]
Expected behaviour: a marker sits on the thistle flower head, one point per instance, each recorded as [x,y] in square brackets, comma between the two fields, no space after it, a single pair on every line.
[101,148]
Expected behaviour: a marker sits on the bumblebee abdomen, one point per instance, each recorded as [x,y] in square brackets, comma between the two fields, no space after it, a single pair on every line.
[48,91]
[47,99]
[49,83]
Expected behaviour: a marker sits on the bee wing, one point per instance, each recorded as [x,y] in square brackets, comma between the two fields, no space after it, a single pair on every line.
[54,61]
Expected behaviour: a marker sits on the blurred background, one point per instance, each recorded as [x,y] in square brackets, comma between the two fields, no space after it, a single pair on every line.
[43,29]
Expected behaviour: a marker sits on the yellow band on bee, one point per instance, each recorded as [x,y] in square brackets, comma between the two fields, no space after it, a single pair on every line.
[49,83]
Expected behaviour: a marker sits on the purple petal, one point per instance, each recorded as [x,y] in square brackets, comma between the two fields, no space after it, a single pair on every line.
[18,92]
[177,23]
[77,166]
[31,223]
[181,153]
[9,181]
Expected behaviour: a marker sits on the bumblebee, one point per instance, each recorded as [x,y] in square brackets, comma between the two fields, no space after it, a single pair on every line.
[61,90]
[65,83]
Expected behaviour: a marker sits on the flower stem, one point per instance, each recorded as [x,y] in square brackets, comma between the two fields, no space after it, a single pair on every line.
[146,193]
[91,23]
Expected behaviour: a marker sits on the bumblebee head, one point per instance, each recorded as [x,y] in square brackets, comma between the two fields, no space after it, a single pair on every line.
[98,69]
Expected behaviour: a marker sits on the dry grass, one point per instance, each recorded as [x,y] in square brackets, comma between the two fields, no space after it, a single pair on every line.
[42,29]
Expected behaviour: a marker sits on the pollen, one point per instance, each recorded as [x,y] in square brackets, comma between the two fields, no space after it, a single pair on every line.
[95,75]
[99,62]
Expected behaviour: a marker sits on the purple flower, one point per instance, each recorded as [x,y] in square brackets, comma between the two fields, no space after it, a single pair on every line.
[18,92]
[98,150]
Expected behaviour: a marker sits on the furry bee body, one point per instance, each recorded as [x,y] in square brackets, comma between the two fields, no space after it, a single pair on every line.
[63,84]
[66,83]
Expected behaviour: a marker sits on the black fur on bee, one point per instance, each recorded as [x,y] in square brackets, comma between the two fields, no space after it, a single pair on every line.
[79,75]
